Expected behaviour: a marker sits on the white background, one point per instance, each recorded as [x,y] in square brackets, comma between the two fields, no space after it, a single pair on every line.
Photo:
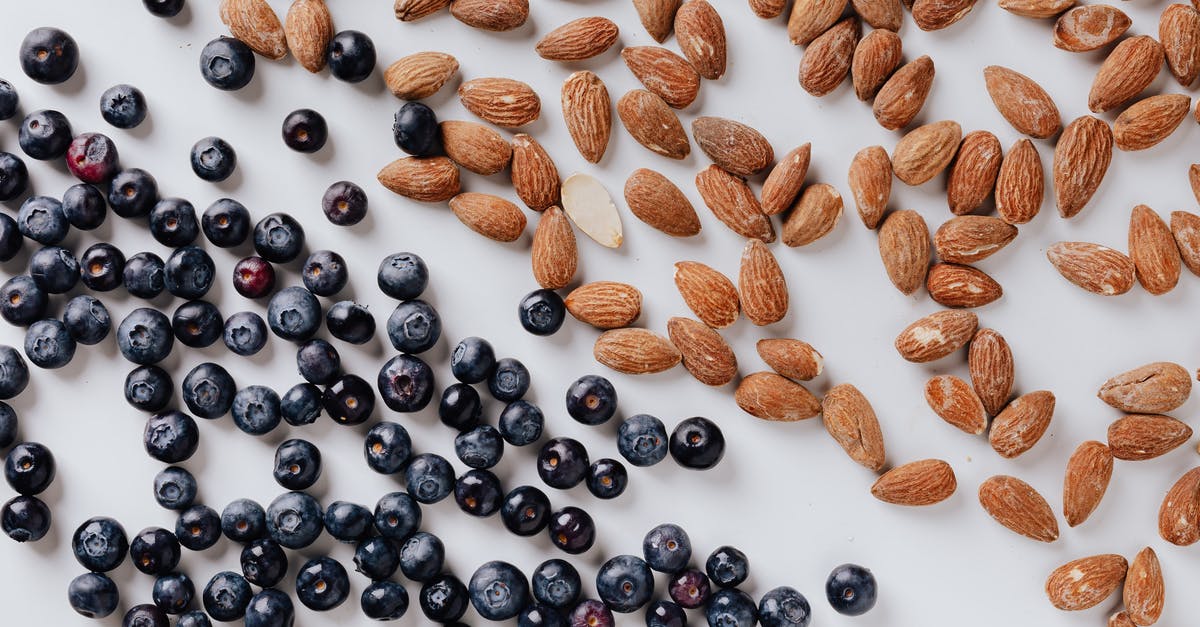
[785,493]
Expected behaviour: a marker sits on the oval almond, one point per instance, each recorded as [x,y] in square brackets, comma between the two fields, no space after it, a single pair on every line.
[427,179]
[936,335]
[1144,592]
[903,95]
[605,304]
[1150,120]
[554,254]
[475,147]
[1179,30]
[1154,388]
[870,182]
[953,400]
[816,214]
[990,363]
[1018,507]
[968,239]
[635,351]
[1022,423]
[701,36]
[761,285]
[1081,158]
[851,421]
[957,286]
[1088,472]
[653,124]
[916,484]
[875,58]
[794,359]
[904,249]
[704,352]
[501,101]
[732,201]
[1089,27]
[925,151]
[1021,184]
[1179,515]
[973,174]
[769,396]
[664,73]
[534,176]
[1129,68]
[490,216]
[708,293]
[1022,102]
[579,39]
[1152,249]
[655,200]
[733,146]
[1086,582]
[1185,228]
[1097,269]
[419,75]
[1139,437]
[826,61]
[783,184]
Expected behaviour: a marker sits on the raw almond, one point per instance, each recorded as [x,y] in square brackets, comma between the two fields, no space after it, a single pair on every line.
[605,304]
[655,200]
[880,14]
[851,420]
[919,483]
[968,239]
[1179,32]
[953,400]
[761,285]
[419,75]
[1016,505]
[904,249]
[769,396]
[1120,619]
[427,179]
[1149,121]
[793,359]
[554,254]
[783,184]
[1138,437]
[701,36]
[1097,269]
[936,335]
[708,293]
[1081,157]
[925,151]
[589,206]
[635,351]
[587,111]
[768,9]
[816,214]
[501,101]
[732,201]
[1154,388]
[1021,184]
[1090,27]
[870,182]
[1085,582]
[826,61]
[875,58]
[308,27]
[256,25]
[1179,515]
[579,39]
[1088,472]
[657,16]
[903,95]
[954,285]
[991,366]
[1036,8]
[1022,423]
[1022,102]
[933,15]
[491,15]
[704,352]
[735,147]
[1194,179]
[1129,69]
[1153,251]
[653,124]
[534,177]
[490,216]
[664,73]
[1144,590]
[810,18]
[973,173]
[1185,227]
[413,10]
[475,147]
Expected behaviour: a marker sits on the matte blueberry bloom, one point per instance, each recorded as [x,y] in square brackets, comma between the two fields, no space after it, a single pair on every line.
[270,608]
[731,607]
[41,219]
[480,447]
[727,567]
[84,206]
[143,275]
[256,409]
[278,238]
[498,590]
[472,360]
[87,319]
[667,548]
[148,388]
[45,135]
[54,269]
[294,314]
[422,556]
[406,383]
[403,276]
[625,583]
[244,520]
[171,437]
[295,520]
[301,404]
[48,344]
[213,159]
[22,301]
[245,333]
[414,327]
[48,55]
[14,374]
[175,488]
[208,390]
[123,106]
[189,272]
[642,440]
[429,477]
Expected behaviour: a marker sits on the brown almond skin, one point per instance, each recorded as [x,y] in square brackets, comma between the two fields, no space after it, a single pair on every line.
[925,151]
[255,23]
[657,16]
[635,351]
[1081,158]
[704,352]
[579,39]
[1020,184]
[916,484]
[309,27]
[1022,102]
[475,147]
[1179,515]
[953,400]
[664,73]
[1194,179]
[605,304]
[1022,423]
[587,111]
[1018,507]
[1179,30]
[1139,437]
[810,18]
[815,214]
[701,36]
[903,95]
[936,335]
[904,249]
[875,58]
[769,396]
[1154,388]
[491,15]
[490,216]
[655,200]
[1085,582]
[768,9]
[501,101]
[968,239]
[653,124]
[427,179]
[794,359]
[1036,8]
[1150,120]
[708,293]
[1097,269]
[413,10]
[880,14]
[1152,248]
[990,363]
[1144,589]
[973,173]
[957,286]
[554,254]
[1185,228]
[1089,27]
[761,285]
[1088,472]
[735,147]
[851,421]
[826,61]
[783,184]
[1129,68]
[1120,619]
[732,201]
[419,75]
[870,182]
[931,15]
[534,176]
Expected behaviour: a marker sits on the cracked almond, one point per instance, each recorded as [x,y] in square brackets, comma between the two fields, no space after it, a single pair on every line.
[1154,388]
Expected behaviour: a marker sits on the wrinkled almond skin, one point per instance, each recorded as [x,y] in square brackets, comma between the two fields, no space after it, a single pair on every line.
[1138,437]
[554,255]
[657,16]
[1120,619]
[810,18]
[534,176]
[1086,582]
[903,95]
[880,14]
[653,124]
[730,199]
[904,249]
[1179,515]
[491,15]
[1129,68]
[255,23]
[701,36]
[1150,120]
[769,396]
[1089,27]
[1097,269]
[973,174]
[413,10]
[1018,507]
[708,293]
[1152,248]
[1081,158]
[419,75]
[1194,180]
[925,151]
[936,335]
[490,216]
[916,484]
[783,184]
[427,179]
[1022,102]
[1022,423]
[875,58]
[1021,184]
[501,101]
[968,239]
[957,286]
[605,304]
[1185,228]
[475,147]
[990,362]
[735,147]
[1088,472]
[1179,32]
[587,111]
[933,15]
[705,353]
[635,351]
[1144,590]
[815,214]
[768,9]
[826,61]
[1154,388]
[579,39]
[664,73]
[851,420]
[655,200]
[308,28]
[1036,8]
[794,359]
[761,285]
[953,400]
[870,182]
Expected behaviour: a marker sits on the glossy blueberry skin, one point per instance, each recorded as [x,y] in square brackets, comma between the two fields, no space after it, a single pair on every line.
[295,520]
[460,407]
[25,518]
[173,222]
[143,275]
[93,158]
[301,404]
[348,522]
[376,557]
[54,269]
[145,615]
[22,301]
[429,478]
[8,425]
[414,327]
[84,206]
[509,380]
[213,159]
[171,437]
[173,593]
[697,443]
[14,374]
[41,219]
[472,360]
[665,614]
[562,463]
[415,129]
[123,106]
[591,400]
[349,401]
[244,520]
[305,130]
[100,544]
[102,267]
[525,510]
[642,440]
[48,55]
[253,277]
[689,588]
[163,8]
[480,447]
[318,362]
[14,176]
[324,273]
[344,203]
[175,488]
[264,563]
[154,551]
[197,324]
[256,409]
[189,272]
[422,556]
[591,613]
[9,99]
[727,567]
[245,333]
[572,530]
[607,478]
[278,238]
[384,600]
[45,135]
[625,583]
[784,607]
[198,528]
[29,468]
[350,322]
[667,548]
[148,388]
[294,314]
[733,608]
[132,193]
[93,595]
[478,493]
[403,276]
[227,64]
[387,447]
[226,596]
[226,223]
[498,590]
[10,234]
[556,583]
[851,590]
[444,599]
[194,618]
[397,516]
[270,608]
[208,390]
[322,584]
[351,56]
[405,383]
[521,423]
[541,312]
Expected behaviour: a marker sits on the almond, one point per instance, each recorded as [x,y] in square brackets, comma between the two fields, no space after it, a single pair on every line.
[1081,157]
[1185,227]
[705,353]
[1179,515]
[1154,388]
[308,27]
[501,101]
[810,18]
[870,182]
[1088,473]
[1120,619]
[903,95]
[1016,505]
[1179,32]
[490,216]
[635,351]
[732,201]
[605,304]
[534,177]
[973,173]
[761,285]
[851,420]
[427,179]
[925,151]
[733,146]
[769,396]
[936,335]
[1127,70]
[768,9]
[655,200]
[953,400]
[880,14]
[826,61]
[919,483]
[904,249]
[587,111]
[413,10]
[968,239]
[256,25]
[475,147]
[1090,27]
[1086,582]
[419,75]
[1021,184]
[1138,437]
[793,359]
[814,216]
[1036,8]
[1022,102]
[1194,179]
[590,207]
[664,73]
[554,254]
[933,15]
[1153,251]
[1022,423]
[657,16]
[653,124]
[1144,590]
[701,36]
[1149,121]
[708,293]
[954,285]
[990,363]
[491,15]
[875,58]
[783,184]
[1097,269]
[579,39]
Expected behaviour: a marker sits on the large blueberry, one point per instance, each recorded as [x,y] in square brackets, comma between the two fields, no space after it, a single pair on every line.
[376,557]
[591,399]
[173,222]
[556,583]
[525,510]
[301,404]
[731,607]
[727,567]
[22,301]
[478,492]
[572,530]
[444,599]
[784,607]
[562,463]
[642,440]
[429,478]
[175,488]
[173,593]
[349,401]
[480,447]
[25,518]
[189,272]
[54,269]
[198,528]
[499,590]
[405,383]
[422,556]
[226,596]
[403,276]
[14,374]
[278,238]
[521,423]
[48,344]
[243,520]
[171,437]
[851,589]
[143,275]
[226,223]
[295,520]
[148,388]
[460,407]
[132,193]
[625,583]
[84,206]
[322,584]
[213,159]
[294,314]
[123,106]
[100,544]
[384,600]
[414,327]
[87,319]
[41,219]
[245,333]
[387,447]
[297,464]
[697,443]
[270,608]
[49,55]
[226,63]
[93,595]
[45,135]
[256,409]
[351,58]
[208,390]
[154,551]
[667,548]
[263,562]
[397,516]
[197,324]
[472,360]
[29,468]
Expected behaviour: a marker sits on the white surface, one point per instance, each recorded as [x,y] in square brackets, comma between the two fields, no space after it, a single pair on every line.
[785,493]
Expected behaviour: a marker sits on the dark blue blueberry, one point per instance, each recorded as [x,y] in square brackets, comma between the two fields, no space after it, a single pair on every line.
[414,327]
[163,8]
[102,267]
[592,613]
[472,360]
[625,583]
[264,563]
[697,443]
[478,492]
[10,234]
[509,380]
[348,522]
[525,511]
[245,333]
[480,447]
[41,219]
[93,595]
[93,158]
[173,593]
[145,615]
[9,99]
[48,344]
[301,404]
[45,135]
[256,409]
[556,583]
[498,590]
[607,478]
[198,528]
[851,590]
[344,203]
[387,447]
[173,222]
[132,193]
[351,57]
[384,600]
[244,520]
[25,518]
[667,548]
[14,176]
[689,588]
[460,407]
[14,374]
[143,275]
[350,322]
[591,400]
[731,607]
[295,520]
[784,607]
[171,437]
[54,269]
[422,556]
[29,468]
[213,159]
[562,463]
[642,440]
[197,324]
[322,584]
[405,383]
[403,276]
[100,544]
[278,238]
[194,618]
[444,599]
[226,63]
[84,206]
[123,105]
[294,314]
[148,388]
[175,488]
[572,530]
[665,614]
[541,312]
[253,277]
[540,616]
[226,596]
[376,557]
[208,390]
[415,129]
[270,608]
[727,567]
[397,516]
[22,301]
[324,273]
[304,130]
[226,223]
[429,478]
[189,272]
[318,362]
[349,401]
[48,55]
[8,425]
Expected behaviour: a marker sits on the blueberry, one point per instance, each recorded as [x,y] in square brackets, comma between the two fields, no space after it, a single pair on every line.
[93,595]
[348,522]
[403,276]
[540,616]
[625,583]
[29,468]
[727,567]
[562,463]
[148,388]
[100,544]
[324,273]
[171,437]
[480,447]
[41,219]
[123,106]
[472,360]
[607,478]
[525,510]
[213,159]
[197,324]
[10,234]
[226,596]
[54,269]
[350,322]
[102,267]
[14,176]
[322,584]
[591,400]
[478,493]
[48,344]
[295,520]
[45,135]
[572,530]
[784,607]
[422,556]
[84,206]
[556,583]
[667,548]
[22,301]
[344,203]
[25,519]
[301,404]
[498,590]
[163,8]
[318,362]
[642,440]
[226,63]
[9,99]
[376,557]
[541,312]
[294,314]
[460,407]
[245,333]
[521,423]
[253,277]
[8,425]
[145,615]
[132,193]
[665,614]
[429,478]
[189,272]
[173,593]
[415,129]
[733,608]
[697,443]
[175,488]
[414,327]
[226,223]
[351,56]
[173,222]
[405,383]
[263,562]
[49,55]
[143,275]
[592,613]
[92,158]
[384,600]
[278,238]
[851,590]
[194,618]
[297,464]
[444,599]
[387,447]
[304,130]
[349,401]
[14,374]
[244,520]
[689,588]
[397,516]
[270,608]
[208,390]
[509,380]
[256,409]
